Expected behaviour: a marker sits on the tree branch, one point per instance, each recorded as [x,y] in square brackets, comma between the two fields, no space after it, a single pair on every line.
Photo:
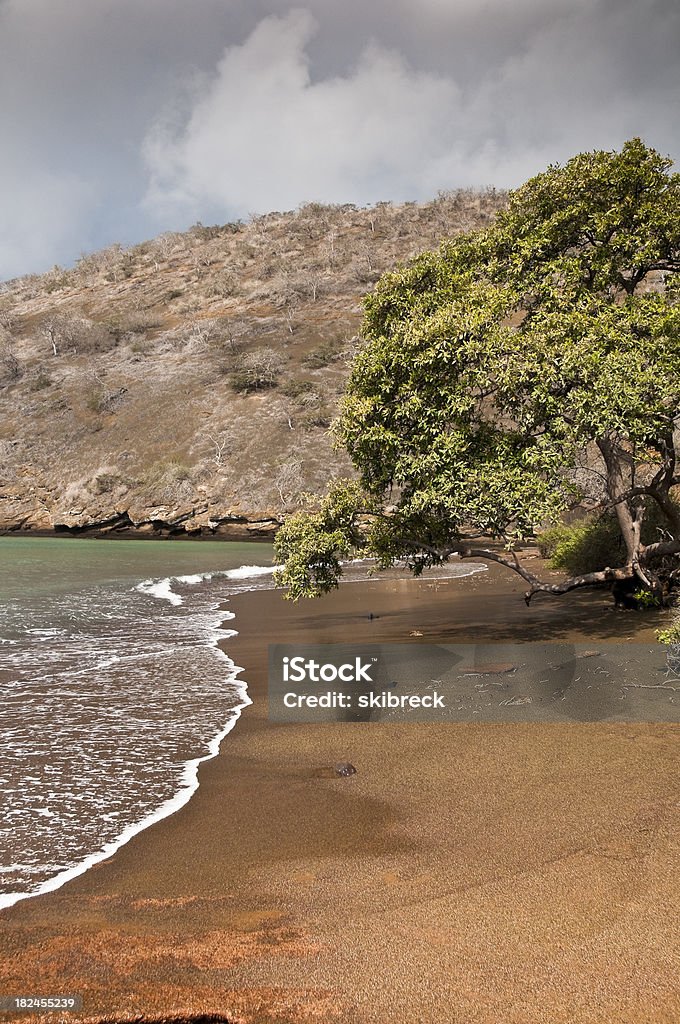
[587,580]
[493,556]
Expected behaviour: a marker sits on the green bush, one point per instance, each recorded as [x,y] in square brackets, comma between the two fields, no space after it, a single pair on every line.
[671,635]
[297,388]
[321,356]
[585,546]
[595,542]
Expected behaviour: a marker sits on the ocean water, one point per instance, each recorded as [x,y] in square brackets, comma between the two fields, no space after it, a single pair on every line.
[112,690]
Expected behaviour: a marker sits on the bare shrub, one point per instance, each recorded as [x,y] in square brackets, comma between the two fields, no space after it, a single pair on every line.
[108,481]
[10,367]
[133,321]
[223,285]
[257,370]
[288,482]
[169,481]
[165,246]
[201,233]
[40,381]
[114,264]
[221,445]
[100,399]
[194,335]
[76,334]
[317,419]
[56,279]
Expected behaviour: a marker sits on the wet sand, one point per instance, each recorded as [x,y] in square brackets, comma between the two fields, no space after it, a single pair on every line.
[467,874]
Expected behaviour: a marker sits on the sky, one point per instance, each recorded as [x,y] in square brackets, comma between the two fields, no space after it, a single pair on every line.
[122,119]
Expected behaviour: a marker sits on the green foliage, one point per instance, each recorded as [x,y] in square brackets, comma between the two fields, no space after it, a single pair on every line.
[645,598]
[297,388]
[321,356]
[585,546]
[671,635]
[595,542]
[491,364]
[311,544]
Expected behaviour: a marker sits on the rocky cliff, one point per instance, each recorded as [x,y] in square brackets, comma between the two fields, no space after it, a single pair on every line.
[186,385]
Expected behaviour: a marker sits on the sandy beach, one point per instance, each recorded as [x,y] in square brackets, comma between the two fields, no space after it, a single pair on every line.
[467,874]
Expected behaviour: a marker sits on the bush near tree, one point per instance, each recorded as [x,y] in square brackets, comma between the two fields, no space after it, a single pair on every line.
[515,374]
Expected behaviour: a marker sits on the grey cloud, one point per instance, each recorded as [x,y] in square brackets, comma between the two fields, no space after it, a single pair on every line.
[266,132]
[125,117]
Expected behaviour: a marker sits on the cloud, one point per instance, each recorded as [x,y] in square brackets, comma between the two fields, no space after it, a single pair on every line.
[80,83]
[121,119]
[264,133]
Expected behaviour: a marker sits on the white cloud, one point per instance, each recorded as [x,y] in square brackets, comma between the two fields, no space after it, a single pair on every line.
[264,134]
[387,99]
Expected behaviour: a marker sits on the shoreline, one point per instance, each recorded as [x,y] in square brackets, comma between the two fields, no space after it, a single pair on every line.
[439,861]
[189,782]
[247,536]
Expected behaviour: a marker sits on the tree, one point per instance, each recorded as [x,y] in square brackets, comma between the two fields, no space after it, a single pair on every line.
[505,375]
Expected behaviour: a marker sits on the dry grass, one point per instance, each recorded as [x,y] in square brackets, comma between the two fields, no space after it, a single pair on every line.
[132,359]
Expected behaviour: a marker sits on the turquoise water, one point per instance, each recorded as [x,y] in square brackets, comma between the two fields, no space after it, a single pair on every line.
[112,689]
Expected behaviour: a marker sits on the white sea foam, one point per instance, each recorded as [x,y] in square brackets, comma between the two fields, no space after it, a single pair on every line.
[91,711]
[161,589]
[245,572]
[188,786]
[187,783]
[117,641]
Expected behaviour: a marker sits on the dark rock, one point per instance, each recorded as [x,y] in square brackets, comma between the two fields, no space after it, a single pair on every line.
[623,592]
[345,768]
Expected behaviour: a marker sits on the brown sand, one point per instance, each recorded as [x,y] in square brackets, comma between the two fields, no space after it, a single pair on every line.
[467,874]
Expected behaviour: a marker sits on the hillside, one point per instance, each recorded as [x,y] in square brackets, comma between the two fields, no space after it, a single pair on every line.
[187,384]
